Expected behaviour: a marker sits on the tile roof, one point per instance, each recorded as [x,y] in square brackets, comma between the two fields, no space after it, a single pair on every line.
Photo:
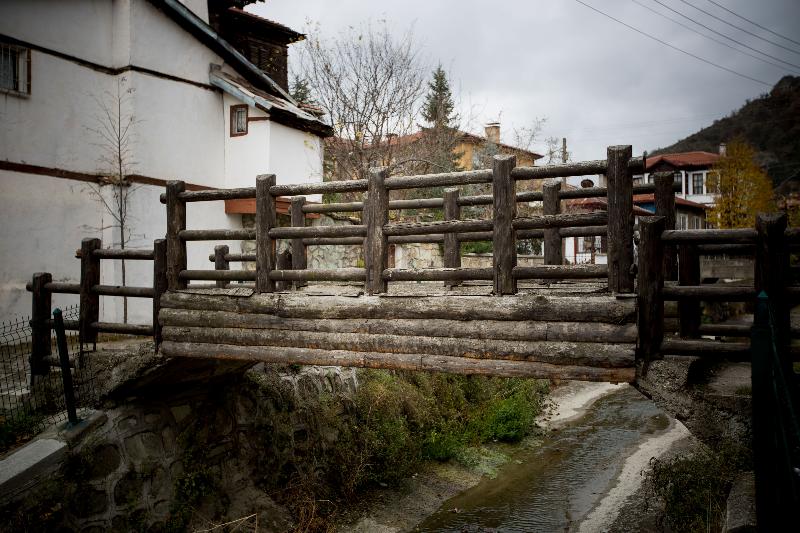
[684,159]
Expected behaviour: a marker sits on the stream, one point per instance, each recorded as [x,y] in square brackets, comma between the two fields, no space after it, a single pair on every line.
[555,486]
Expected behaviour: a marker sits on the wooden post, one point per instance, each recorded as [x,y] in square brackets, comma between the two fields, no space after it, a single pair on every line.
[689,274]
[376,211]
[771,275]
[40,330]
[452,246]
[552,237]
[266,219]
[665,207]
[176,222]
[220,262]
[89,302]
[651,283]
[299,261]
[620,220]
[504,238]
[159,284]
[283,262]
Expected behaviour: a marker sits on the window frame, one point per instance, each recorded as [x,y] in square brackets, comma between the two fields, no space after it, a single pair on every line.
[23,59]
[694,183]
[234,111]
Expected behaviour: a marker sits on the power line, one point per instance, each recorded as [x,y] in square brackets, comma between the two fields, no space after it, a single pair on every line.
[753,22]
[718,33]
[740,28]
[681,50]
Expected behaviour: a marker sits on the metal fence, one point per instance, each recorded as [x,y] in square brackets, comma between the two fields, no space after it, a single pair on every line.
[29,405]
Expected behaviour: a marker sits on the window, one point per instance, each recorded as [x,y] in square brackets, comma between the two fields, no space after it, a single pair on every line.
[697,183]
[15,69]
[638,179]
[678,177]
[683,221]
[695,223]
[238,120]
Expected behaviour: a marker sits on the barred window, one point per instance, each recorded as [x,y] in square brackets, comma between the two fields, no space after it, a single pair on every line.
[15,69]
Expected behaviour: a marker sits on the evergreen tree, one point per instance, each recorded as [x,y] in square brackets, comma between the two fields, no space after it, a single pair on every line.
[438,109]
[301,91]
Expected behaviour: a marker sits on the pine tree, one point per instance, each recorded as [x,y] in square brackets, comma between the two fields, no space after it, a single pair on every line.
[438,109]
[744,188]
[301,91]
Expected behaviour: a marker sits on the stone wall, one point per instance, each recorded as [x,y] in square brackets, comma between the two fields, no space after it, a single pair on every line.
[201,456]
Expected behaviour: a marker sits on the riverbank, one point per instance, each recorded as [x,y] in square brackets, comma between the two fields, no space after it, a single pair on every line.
[401,509]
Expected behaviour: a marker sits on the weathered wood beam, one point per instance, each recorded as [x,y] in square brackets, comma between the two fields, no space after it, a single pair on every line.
[504,214]
[561,272]
[709,292]
[551,205]
[710,236]
[452,247]
[266,220]
[422,362]
[339,274]
[176,223]
[650,287]
[375,242]
[89,299]
[299,259]
[221,262]
[437,274]
[563,220]
[620,220]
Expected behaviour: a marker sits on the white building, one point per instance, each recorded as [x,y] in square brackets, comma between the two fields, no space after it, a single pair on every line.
[198,110]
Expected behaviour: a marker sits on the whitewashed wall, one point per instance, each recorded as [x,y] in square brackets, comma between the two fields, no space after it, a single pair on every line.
[180,132]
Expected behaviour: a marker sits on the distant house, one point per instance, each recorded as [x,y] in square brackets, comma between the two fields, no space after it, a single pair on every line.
[691,170]
[206,86]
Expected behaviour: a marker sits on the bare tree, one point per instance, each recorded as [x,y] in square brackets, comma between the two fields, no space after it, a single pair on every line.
[369,83]
[113,127]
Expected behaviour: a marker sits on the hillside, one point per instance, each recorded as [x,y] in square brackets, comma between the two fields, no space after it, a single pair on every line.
[770,123]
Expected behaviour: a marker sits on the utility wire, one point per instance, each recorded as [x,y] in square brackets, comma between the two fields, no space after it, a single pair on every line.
[740,28]
[718,33]
[753,22]
[681,50]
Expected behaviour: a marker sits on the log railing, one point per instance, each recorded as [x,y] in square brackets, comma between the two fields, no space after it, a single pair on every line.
[376,232]
[768,242]
[90,289]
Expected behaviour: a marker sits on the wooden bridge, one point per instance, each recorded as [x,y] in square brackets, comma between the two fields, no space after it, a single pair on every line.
[585,321]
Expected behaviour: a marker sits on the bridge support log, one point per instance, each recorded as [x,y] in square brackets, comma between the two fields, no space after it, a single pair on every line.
[602,309]
[452,246]
[665,207]
[89,300]
[176,223]
[651,283]
[266,219]
[551,205]
[514,330]
[376,212]
[221,263]
[159,284]
[557,353]
[424,362]
[504,239]
[299,261]
[689,275]
[620,220]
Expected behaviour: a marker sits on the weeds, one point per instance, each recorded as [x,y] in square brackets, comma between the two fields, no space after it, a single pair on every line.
[18,428]
[695,488]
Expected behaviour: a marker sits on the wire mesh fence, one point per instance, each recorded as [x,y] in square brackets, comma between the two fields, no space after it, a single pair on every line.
[29,404]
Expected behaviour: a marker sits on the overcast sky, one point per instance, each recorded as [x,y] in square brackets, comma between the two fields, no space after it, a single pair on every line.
[596,81]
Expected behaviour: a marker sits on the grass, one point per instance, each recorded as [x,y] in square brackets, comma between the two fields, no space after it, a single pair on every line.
[17,428]
[695,488]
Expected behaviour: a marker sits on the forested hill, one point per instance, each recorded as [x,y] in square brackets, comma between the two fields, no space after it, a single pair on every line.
[770,123]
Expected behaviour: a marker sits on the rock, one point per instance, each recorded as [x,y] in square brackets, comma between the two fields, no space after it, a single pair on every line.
[740,516]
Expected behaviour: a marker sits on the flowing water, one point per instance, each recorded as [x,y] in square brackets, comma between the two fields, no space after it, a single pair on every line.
[552,487]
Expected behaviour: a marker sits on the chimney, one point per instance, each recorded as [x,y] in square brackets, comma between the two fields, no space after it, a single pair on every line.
[723,149]
[492,130]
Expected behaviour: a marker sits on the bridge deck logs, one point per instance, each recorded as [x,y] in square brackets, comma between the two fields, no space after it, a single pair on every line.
[580,336]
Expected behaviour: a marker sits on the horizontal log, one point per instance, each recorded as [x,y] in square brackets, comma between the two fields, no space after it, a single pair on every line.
[437,274]
[583,168]
[439,180]
[340,274]
[442,226]
[319,188]
[562,353]
[338,241]
[419,362]
[708,292]
[218,275]
[522,330]
[213,194]
[563,220]
[589,308]
[124,329]
[561,272]
[217,234]
[725,330]
[709,236]
[234,258]
[585,231]
[69,325]
[118,290]
[318,231]
[726,249]
[117,253]
[341,207]
[58,287]
[700,348]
